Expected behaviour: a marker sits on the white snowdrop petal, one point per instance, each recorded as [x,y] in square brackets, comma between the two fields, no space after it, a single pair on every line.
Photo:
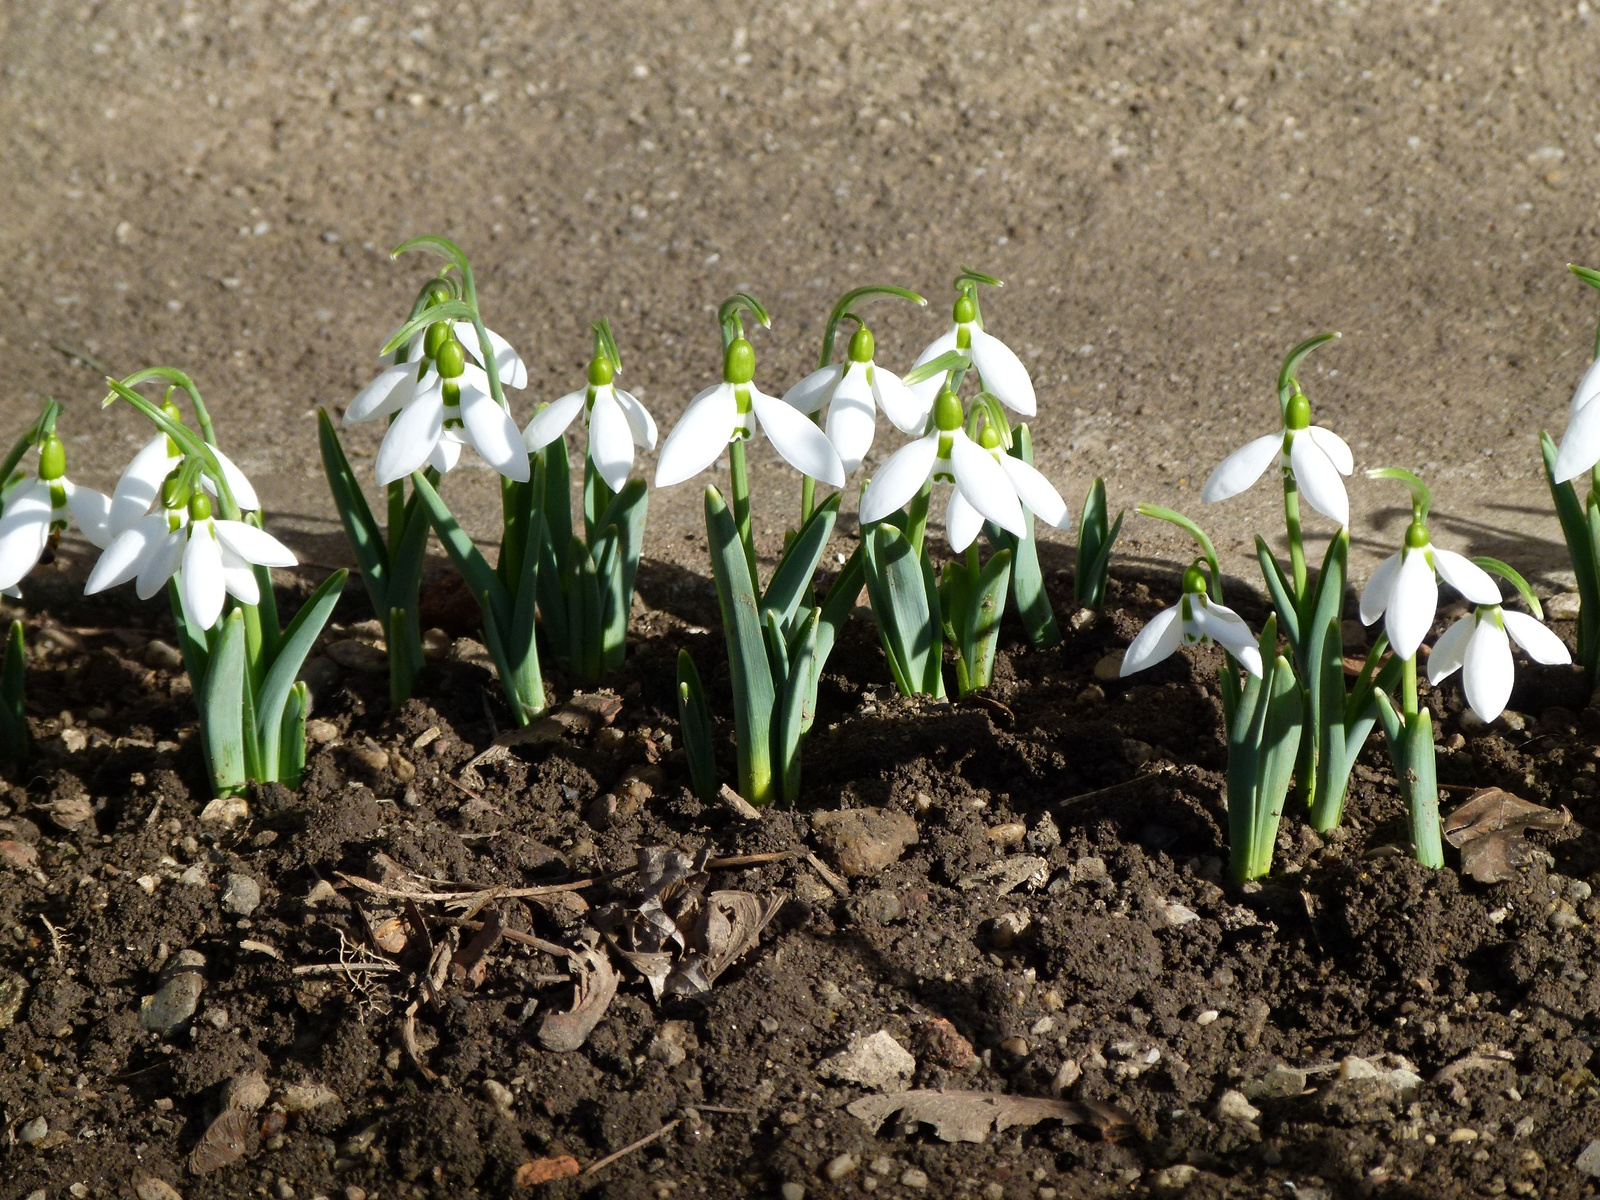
[899,403]
[1318,480]
[160,560]
[388,393]
[640,422]
[962,522]
[1335,447]
[812,392]
[140,483]
[254,545]
[91,510]
[1466,576]
[23,534]
[610,440]
[1580,444]
[699,436]
[1541,643]
[1003,373]
[1375,596]
[1412,603]
[122,559]
[243,493]
[239,579]
[551,421]
[446,452]
[928,389]
[985,484]
[1241,468]
[899,479]
[495,435]
[852,424]
[1588,388]
[411,438]
[508,362]
[1487,671]
[1227,629]
[1036,492]
[1449,652]
[1157,640]
[200,582]
[796,437]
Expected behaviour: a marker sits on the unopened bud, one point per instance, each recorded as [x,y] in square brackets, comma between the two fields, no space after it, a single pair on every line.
[861,345]
[966,310]
[451,360]
[439,333]
[600,371]
[52,459]
[199,506]
[1298,413]
[947,412]
[739,362]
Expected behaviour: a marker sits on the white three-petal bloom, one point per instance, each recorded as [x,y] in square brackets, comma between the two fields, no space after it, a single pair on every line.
[1001,370]
[1404,592]
[1580,444]
[1317,456]
[1194,618]
[730,411]
[33,509]
[853,391]
[1478,645]
[617,422]
[140,483]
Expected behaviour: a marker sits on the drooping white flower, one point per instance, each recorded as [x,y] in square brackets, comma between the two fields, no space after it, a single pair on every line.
[1479,646]
[1404,592]
[853,391]
[444,402]
[1001,370]
[1316,457]
[213,558]
[617,422]
[139,486]
[988,484]
[1580,444]
[34,509]
[1194,618]
[730,411]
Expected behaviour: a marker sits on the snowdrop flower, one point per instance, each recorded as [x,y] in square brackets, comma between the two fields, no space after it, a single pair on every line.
[988,483]
[212,557]
[1404,592]
[140,483]
[1479,646]
[1194,618]
[1313,455]
[853,390]
[730,411]
[616,420]
[34,511]
[443,402]
[1001,370]
[1580,444]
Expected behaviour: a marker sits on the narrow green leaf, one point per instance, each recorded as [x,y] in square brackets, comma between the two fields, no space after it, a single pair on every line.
[1292,361]
[1027,580]
[626,515]
[554,609]
[753,693]
[474,568]
[222,708]
[522,649]
[450,310]
[900,606]
[1282,593]
[1592,278]
[292,736]
[792,717]
[557,500]
[1581,549]
[297,641]
[1088,589]
[585,613]
[1421,785]
[980,632]
[791,582]
[694,721]
[15,740]
[1280,747]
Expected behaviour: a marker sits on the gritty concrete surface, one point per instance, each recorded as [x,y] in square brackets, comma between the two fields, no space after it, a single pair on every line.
[1174,192]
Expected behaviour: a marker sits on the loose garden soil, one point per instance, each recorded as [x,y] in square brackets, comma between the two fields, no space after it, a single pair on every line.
[1120,965]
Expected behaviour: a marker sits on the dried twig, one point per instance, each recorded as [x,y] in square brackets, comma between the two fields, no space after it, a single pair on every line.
[55,936]
[408,1039]
[839,886]
[514,935]
[345,968]
[632,1146]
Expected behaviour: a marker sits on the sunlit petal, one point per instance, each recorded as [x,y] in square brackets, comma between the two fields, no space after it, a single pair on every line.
[161,559]
[985,484]
[1412,603]
[1375,596]
[125,556]
[796,437]
[899,403]
[1318,479]
[699,436]
[962,522]
[239,578]
[388,393]
[1003,373]
[640,422]
[140,483]
[1036,492]
[1156,641]
[1449,652]
[1335,447]
[852,419]
[1580,444]
[1541,644]
[928,389]
[610,440]
[899,479]
[495,435]
[254,545]
[412,437]
[201,584]
[1487,672]
[551,421]
[1242,468]
[1228,629]
[812,392]
[1466,576]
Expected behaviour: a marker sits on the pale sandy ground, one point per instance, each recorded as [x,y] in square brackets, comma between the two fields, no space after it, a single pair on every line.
[1174,193]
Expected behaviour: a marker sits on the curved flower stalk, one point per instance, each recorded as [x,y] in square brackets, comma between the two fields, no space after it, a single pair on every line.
[1404,592]
[778,638]
[243,665]
[1262,710]
[585,585]
[1479,646]
[1002,371]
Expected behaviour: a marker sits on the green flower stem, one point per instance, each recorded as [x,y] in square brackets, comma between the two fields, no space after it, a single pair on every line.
[1291,522]
[917,517]
[1408,689]
[739,477]
[808,491]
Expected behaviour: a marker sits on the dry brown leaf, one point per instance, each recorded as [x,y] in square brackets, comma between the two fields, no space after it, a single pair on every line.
[1489,828]
[543,1170]
[229,1138]
[594,983]
[958,1116]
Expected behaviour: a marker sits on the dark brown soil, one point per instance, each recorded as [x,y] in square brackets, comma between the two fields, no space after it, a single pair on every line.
[1348,950]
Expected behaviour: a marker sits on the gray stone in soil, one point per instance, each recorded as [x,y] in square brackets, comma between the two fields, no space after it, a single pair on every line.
[241,895]
[33,1131]
[863,841]
[174,1002]
[1589,1159]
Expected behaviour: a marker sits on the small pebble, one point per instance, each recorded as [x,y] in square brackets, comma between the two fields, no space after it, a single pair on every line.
[372,755]
[1008,835]
[1563,607]
[241,895]
[793,1191]
[914,1179]
[1232,1106]
[497,1094]
[321,732]
[162,656]
[882,1165]
[435,644]
[1093,694]
[1463,1135]
[1109,668]
[1207,1017]
[1017,1047]
[33,1131]
[839,1167]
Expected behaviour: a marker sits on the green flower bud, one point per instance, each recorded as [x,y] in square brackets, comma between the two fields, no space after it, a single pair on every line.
[199,506]
[947,413]
[1417,536]
[174,494]
[451,359]
[739,362]
[600,371]
[52,459]
[438,294]
[169,409]
[861,345]
[966,310]
[1194,579]
[1298,414]
[439,333]
[989,439]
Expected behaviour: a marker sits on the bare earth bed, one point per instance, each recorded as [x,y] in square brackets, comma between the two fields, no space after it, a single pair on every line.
[1061,926]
